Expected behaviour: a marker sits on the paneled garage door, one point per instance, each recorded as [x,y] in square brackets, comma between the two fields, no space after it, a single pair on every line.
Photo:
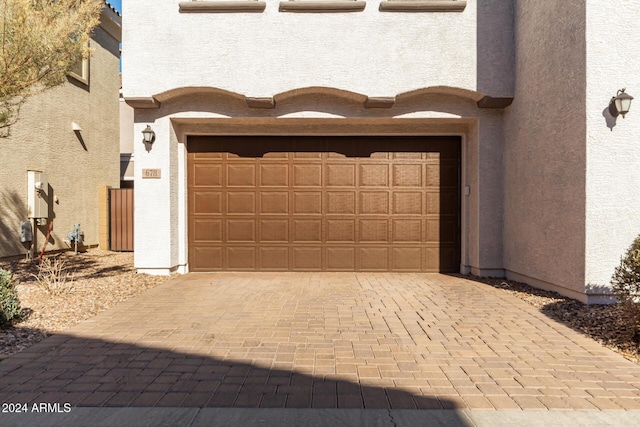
[324,203]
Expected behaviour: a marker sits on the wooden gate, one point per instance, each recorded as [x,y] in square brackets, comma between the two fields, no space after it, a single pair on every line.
[121,219]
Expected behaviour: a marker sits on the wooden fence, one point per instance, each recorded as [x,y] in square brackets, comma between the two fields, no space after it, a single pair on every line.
[121,219]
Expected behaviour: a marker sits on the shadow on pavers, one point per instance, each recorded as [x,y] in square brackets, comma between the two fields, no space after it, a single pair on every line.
[97,378]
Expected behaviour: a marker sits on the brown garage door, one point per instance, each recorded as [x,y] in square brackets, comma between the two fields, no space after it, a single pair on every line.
[324,203]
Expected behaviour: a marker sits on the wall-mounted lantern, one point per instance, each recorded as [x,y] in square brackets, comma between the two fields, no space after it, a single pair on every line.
[148,135]
[620,103]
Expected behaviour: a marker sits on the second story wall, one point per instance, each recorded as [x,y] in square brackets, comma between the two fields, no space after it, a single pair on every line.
[372,52]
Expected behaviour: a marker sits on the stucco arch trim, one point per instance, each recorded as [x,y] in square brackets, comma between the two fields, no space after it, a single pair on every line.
[320,91]
[441,90]
[312,93]
[200,91]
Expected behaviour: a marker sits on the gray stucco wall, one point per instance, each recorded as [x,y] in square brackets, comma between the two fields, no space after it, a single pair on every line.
[544,148]
[495,48]
[490,209]
[76,164]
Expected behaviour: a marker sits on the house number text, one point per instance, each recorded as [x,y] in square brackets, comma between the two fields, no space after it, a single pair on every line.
[151,173]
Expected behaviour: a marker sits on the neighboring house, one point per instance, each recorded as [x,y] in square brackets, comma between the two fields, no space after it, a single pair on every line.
[71,134]
[494,152]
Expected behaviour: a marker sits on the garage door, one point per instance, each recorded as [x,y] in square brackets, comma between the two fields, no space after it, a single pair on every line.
[324,203]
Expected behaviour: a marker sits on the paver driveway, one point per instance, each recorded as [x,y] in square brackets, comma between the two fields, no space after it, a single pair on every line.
[346,340]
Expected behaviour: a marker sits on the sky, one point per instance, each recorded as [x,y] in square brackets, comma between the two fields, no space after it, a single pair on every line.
[117,4]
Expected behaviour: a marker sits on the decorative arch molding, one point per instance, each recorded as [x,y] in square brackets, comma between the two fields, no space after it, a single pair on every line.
[176,94]
[314,93]
[482,100]
[441,90]
[199,91]
[317,91]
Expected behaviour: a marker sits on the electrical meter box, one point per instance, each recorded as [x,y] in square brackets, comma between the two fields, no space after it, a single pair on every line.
[37,195]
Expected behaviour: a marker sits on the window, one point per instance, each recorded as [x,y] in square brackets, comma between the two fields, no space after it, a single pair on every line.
[80,71]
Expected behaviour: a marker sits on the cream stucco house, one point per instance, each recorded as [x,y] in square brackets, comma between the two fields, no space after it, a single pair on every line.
[71,135]
[348,135]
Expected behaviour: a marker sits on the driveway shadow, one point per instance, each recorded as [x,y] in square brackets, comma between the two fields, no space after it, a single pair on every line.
[88,372]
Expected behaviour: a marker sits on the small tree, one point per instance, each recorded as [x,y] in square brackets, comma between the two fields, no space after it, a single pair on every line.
[40,41]
[626,286]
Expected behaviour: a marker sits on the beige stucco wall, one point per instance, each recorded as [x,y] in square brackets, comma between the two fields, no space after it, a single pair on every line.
[544,148]
[612,144]
[76,164]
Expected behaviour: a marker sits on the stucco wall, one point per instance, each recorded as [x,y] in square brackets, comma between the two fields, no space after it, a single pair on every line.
[613,144]
[126,128]
[490,190]
[544,148]
[126,141]
[76,164]
[262,54]
[495,48]
[153,214]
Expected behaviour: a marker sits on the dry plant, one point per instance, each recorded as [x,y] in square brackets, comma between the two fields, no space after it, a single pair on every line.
[53,277]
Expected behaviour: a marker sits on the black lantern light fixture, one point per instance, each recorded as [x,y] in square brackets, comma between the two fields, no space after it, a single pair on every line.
[620,103]
[148,135]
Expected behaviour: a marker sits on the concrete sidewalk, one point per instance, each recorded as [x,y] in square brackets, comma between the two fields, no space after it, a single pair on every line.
[236,417]
[392,341]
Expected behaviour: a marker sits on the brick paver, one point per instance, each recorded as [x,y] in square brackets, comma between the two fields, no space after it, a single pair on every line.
[324,340]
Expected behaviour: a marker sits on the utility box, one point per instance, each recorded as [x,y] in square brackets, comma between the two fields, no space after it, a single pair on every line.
[26,232]
[37,195]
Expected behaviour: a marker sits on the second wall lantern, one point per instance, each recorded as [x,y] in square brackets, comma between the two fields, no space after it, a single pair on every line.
[620,103]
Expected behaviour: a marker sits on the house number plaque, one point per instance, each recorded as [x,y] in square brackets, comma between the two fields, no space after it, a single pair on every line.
[151,173]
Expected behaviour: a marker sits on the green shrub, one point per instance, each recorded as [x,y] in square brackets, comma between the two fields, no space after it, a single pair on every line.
[626,286]
[9,303]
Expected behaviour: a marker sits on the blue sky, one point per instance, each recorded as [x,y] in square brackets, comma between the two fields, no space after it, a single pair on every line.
[117,4]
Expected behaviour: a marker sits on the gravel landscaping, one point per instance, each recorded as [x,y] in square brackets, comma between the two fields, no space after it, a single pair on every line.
[99,280]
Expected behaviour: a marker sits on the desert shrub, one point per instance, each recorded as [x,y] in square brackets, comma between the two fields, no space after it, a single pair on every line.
[626,286]
[53,278]
[9,303]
